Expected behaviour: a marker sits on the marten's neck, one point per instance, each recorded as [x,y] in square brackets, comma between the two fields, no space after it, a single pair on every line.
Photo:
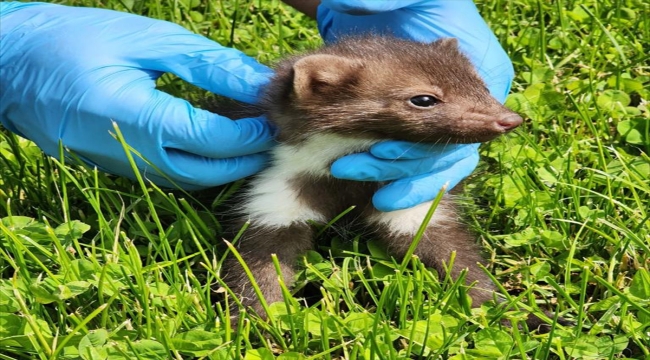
[315,154]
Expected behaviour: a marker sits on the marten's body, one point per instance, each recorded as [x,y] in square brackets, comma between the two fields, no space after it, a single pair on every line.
[342,99]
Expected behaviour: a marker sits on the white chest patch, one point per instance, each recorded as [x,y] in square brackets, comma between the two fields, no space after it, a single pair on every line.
[408,221]
[315,155]
[273,201]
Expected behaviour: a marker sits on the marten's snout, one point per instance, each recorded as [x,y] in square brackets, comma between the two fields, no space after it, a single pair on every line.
[508,122]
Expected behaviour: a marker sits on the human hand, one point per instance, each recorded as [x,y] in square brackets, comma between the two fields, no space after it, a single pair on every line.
[419,171]
[67,73]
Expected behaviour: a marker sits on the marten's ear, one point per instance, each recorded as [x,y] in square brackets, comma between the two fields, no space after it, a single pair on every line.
[320,72]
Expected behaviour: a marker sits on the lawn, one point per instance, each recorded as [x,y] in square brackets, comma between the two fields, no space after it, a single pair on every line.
[99,267]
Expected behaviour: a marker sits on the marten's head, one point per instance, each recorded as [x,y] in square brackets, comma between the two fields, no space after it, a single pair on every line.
[385,88]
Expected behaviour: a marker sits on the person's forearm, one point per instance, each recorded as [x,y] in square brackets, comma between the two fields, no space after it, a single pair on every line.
[307,7]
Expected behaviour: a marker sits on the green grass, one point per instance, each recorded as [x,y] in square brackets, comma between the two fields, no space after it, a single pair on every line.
[96,267]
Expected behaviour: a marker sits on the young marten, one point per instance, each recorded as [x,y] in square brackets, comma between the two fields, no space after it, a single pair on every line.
[341,99]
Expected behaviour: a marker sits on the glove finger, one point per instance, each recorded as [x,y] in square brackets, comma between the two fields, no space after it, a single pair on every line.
[150,175]
[185,170]
[121,168]
[162,125]
[365,167]
[201,172]
[407,150]
[406,193]
[206,134]
[204,63]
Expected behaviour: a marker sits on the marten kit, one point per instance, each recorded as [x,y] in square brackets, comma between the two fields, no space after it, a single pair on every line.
[342,99]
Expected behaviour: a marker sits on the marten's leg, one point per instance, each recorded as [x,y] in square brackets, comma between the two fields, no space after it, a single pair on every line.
[256,246]
[279,225]
[444,235]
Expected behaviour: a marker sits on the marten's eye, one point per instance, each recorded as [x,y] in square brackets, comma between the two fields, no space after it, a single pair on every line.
[424,101]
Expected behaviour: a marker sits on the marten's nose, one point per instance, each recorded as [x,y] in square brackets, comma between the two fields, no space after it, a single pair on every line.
[509,122]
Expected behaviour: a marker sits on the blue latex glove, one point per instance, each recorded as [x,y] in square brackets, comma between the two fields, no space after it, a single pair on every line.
[419,171]
[67,72]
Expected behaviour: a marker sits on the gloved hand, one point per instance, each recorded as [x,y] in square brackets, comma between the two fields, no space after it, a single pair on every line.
[419,171]
[66,73]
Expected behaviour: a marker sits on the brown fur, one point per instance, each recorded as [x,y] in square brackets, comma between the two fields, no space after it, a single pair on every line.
[361,88]
[256,249]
